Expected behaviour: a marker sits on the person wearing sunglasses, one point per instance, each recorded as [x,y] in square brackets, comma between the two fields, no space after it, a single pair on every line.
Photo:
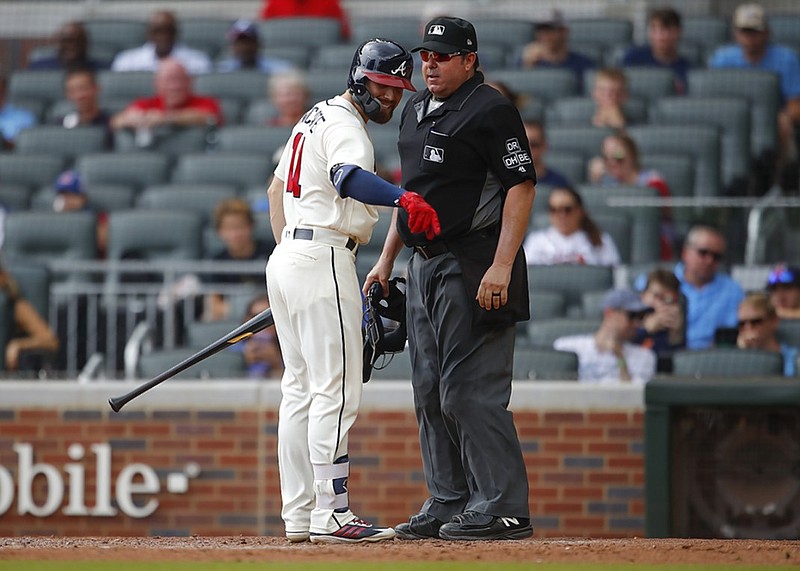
[572,237]
[758,329]
[783,286]
[618,165]
[463,148]
[608,355]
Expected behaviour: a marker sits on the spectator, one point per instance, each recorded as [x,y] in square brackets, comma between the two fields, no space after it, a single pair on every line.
[245,45]
[289,94]
[664,329]
[753,50]
[783,286]
[72,42]
[610,92]
[537,139]
[32,343]
[608,356]
[81,89]
[314,8]
[619,165]
[758,328]
[551,49]
[572,237]
[664,35]
[162,45]
[261,352]
[13,119]
[503,88]
[712,298]
[71,197]
[175,105]
[234,223]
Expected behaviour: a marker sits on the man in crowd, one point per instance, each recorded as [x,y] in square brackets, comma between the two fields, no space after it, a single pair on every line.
[758,329]
[81,89]
[72,42]
[245,45]
[783,286]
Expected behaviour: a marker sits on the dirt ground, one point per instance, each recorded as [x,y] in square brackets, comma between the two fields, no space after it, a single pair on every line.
[703,551]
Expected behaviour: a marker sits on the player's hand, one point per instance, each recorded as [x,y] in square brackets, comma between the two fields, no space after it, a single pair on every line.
[421,215]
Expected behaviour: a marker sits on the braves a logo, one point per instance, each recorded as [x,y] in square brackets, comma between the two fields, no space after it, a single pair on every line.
[400,70]
[436,30]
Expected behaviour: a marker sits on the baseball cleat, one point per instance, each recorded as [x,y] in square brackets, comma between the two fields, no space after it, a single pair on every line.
[474,526]
[355,531]
[419,526]
[297,536]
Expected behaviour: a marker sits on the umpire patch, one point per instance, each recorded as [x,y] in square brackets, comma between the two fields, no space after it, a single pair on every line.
[433,154]
[516,157]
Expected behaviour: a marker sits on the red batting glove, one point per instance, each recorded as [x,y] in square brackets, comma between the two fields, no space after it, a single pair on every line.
[421,215]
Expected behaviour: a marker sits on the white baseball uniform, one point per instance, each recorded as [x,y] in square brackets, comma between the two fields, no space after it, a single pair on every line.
[317,305]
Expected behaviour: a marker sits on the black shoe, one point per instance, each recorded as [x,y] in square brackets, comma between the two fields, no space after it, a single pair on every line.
[478,526]
[419,526]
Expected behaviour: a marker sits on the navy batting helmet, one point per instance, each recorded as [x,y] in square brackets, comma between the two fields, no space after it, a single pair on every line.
[382,61]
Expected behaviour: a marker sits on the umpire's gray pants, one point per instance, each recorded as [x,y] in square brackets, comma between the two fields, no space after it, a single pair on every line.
[462,386]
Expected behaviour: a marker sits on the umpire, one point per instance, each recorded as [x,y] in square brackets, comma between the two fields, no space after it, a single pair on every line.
[463,147]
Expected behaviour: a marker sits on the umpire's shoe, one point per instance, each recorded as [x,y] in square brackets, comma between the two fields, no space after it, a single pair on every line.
[354,531]
[473,526]
[419,526]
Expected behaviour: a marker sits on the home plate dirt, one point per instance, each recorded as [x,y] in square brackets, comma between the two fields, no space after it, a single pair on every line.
[246,548]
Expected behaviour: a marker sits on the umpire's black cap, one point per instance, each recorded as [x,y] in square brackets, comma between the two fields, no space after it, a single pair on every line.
[447,35]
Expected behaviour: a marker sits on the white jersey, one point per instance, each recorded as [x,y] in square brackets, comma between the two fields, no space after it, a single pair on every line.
[602,366]
[550,246]
[330,133]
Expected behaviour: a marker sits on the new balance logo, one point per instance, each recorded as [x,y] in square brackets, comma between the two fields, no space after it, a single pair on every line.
[509,521]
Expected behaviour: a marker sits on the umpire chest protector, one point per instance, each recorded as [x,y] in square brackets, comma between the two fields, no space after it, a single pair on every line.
[460,157]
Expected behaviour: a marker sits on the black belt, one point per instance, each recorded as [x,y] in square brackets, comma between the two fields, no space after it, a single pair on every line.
[428,251]
[308,234]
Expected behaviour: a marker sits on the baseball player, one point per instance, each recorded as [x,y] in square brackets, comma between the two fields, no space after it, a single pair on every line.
[322,201]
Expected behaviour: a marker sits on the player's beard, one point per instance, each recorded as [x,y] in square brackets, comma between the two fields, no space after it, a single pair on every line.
[383,116]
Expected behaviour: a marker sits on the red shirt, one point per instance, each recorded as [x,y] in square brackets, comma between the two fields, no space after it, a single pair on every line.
[198,102]
[317,8]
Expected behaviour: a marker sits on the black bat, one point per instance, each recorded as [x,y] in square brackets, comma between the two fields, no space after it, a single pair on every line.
[244,331]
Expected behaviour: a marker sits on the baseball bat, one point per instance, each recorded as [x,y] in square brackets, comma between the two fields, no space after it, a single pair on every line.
[244,331]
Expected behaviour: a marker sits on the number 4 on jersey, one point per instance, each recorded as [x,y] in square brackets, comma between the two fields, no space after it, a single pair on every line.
[293,183]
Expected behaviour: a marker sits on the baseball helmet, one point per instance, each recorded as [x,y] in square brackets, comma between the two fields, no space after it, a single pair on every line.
[382,61]
[385,326]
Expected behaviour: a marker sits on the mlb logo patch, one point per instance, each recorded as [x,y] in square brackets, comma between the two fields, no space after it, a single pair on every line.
[433,154]
[436,30]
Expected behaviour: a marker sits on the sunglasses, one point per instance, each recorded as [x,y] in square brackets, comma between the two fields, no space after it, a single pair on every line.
[615,158]
[561,209]
[716,256]
[636,315]
[437,57]
[751,322]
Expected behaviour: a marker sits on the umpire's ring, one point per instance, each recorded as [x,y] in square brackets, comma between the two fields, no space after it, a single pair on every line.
[495,293]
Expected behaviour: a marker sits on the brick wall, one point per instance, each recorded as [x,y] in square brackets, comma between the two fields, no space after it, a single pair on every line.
[585,467]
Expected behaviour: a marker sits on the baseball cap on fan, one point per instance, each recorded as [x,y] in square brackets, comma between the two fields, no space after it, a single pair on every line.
[243,29]
[69,181]
[553,22]
[626,300]
[447,35]
[750,17]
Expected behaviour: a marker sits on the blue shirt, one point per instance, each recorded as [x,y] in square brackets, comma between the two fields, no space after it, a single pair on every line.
[778,59]
[13,120]
[264,65]
[642,56]
[577,63]
[553,178]
[709,307]
[789,356]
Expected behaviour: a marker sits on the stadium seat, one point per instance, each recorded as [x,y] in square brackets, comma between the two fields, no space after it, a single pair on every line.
[726,362]
[584,140]
[761,88]
[125,85]
[209,35]
[47,236]
[15,196]
[396,369]
[784,28]
[298,56]
[66,143]
[252,140]
[236,169]
[506,32]
[154,235]
[169,141]
[116,34]
[789,332]
[579,111]
[730,115]
[33,279]
[544,332]
[570,279]
[405,30]
[299,31]
[702,142]
[603,32]
[30,170]
[592,304]
[644,83]
[706,31]
[545,84]
[259,112]
[677,170]
[335,58]
[35,89]
[547,304]
[200,334]
[198,198]
[102,197]
[224,365]
[136,170]
[325,84]
[571,165]
[241,85]
[544,364]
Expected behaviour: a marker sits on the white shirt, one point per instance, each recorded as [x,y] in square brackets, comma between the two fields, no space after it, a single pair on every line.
[144,58]
[602,367]
[552,247]
[330,133]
